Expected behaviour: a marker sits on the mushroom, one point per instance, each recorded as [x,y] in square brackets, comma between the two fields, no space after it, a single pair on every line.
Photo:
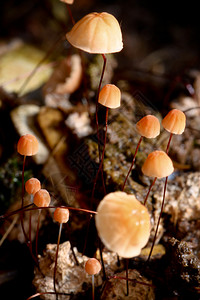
[92,267]
[61,215]
[32,186]
[40,199]
[158,165]
[26,146]
[123,224]
[110,97]
[98,33]
[174,122]
[149,127]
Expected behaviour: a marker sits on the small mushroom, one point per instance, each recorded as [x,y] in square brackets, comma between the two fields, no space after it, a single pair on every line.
[92,267]
[149,127]
[110,97]
[40,199]
[61,215]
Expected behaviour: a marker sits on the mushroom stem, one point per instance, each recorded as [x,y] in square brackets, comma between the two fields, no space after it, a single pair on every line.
[37,233]
[93,287]
[145,200]
[70,13]
[102,157]
[161,211]
[97,121]
[102,262]
[56,260]
[136,150]
[22,205]
[170,137]
[127,285]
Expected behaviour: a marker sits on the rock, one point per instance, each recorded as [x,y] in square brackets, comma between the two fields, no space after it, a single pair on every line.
[70,276]
[116,287]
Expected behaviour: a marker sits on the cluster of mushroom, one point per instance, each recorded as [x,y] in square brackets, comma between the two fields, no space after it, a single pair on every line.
[123,223]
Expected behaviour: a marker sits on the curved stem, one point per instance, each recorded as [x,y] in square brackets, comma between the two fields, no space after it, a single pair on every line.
[103,152]
[136,150]
[56,260]
[161,211]
[145,200]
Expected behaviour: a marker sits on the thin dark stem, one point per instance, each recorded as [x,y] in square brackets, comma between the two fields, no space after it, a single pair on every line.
[97,121]
[161,211]
[14,212]
[37,233]
[127,285]
[86,236]
[136,150]
[102,157]
[167,149]
[70,13]
[102,261]
[22,205]
[30,216]
[145,200]
[56,260]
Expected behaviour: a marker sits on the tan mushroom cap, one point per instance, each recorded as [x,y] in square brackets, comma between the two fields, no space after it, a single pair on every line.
[158,164]
[61,215]
[32,185]
[123,224]
[92,266]
[27,145]
[110,96]
[96,33]
[174,121]
[68,1]
[148,126]
[42,198]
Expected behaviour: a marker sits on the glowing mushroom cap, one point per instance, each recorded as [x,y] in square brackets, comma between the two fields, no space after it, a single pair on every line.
[148,126]
[61,215]
[174,121]
[42,198]
[92,266]
[123,224]
[96,33]
[68,1]
[158,164]
[110,96]
[32,185]
[27,145]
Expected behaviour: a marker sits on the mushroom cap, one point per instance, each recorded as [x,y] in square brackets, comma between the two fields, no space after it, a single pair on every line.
[96,33]
[61,215]
[148,126]
[110,96]
[158,164]
[32,185]
[174,121]
[123,224]
[42,198]
[68,1]
[27,145]
[92,266]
